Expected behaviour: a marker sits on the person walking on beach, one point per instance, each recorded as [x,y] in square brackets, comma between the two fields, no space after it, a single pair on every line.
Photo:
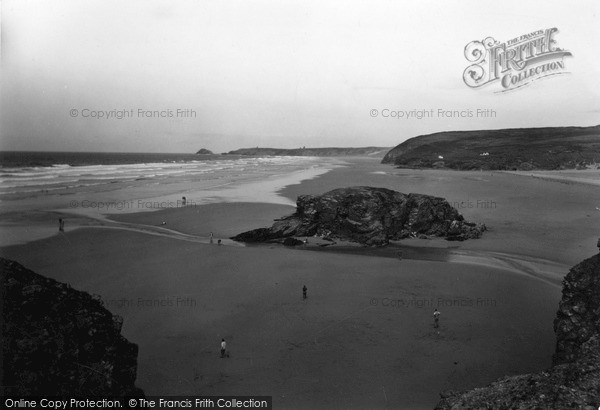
[61,225]
[223,347]
[304,292]
[211,237]
[436,318]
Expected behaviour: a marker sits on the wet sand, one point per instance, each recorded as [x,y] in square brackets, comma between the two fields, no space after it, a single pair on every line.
[364,338]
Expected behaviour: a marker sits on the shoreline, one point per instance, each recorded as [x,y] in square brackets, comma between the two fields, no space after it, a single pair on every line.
[280,192]
[18,229]
[581,176]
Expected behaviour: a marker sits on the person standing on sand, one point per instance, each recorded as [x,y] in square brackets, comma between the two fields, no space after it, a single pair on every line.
[211,237]
[223,347]
[304,292]
[61,225]
[436,318]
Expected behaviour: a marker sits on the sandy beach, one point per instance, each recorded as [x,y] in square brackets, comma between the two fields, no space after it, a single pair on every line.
[364,338]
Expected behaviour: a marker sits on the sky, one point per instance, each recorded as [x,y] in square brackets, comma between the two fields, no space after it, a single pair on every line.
[281,74]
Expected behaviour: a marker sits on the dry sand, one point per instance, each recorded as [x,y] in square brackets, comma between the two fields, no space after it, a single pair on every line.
[364,337]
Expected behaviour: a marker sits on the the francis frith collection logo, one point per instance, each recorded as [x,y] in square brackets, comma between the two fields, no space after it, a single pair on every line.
[514,63]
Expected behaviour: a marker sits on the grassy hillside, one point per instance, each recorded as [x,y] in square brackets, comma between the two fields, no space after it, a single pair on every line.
[506,149]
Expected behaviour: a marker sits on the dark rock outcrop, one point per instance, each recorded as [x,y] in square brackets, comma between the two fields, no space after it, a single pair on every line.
[574,380]
[505,149]
[204,151]
[578,317]
[371,216]
[292,242]
[57,341]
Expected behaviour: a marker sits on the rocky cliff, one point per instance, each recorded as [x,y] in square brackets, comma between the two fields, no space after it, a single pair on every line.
[371,216]
[574,379]
[578,317]
[506,149]
[57,341]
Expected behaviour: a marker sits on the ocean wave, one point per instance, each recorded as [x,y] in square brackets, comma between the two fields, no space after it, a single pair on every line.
[17,180]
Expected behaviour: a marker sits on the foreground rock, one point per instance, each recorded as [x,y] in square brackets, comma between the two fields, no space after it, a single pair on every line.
[574,380]
[578,317]
[371,216]
[57,341]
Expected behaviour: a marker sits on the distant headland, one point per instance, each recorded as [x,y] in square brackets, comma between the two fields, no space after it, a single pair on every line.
[310,152]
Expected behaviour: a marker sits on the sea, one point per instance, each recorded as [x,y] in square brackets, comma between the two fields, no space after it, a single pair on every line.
[26,174]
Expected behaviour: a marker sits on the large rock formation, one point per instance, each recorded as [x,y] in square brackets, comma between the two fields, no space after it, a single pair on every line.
[57,341]
[371,216]
[574,380]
